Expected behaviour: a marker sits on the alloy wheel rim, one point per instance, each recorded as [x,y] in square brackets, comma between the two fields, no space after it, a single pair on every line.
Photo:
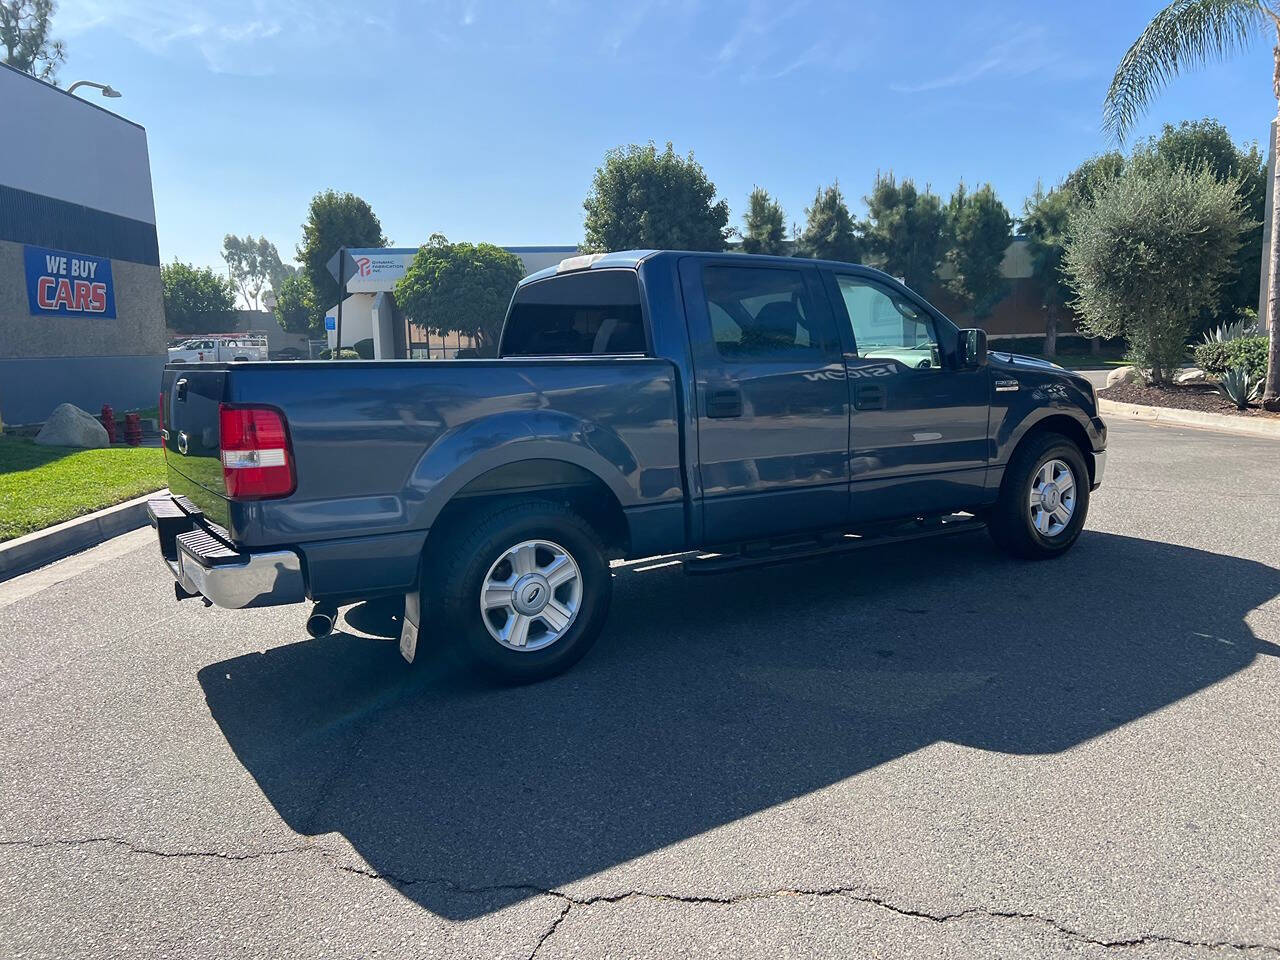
[1052,501]
[531,595]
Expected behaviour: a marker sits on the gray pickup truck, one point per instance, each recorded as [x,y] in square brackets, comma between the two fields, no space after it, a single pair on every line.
[752,409]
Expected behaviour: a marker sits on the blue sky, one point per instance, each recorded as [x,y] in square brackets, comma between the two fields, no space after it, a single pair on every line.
[485,120]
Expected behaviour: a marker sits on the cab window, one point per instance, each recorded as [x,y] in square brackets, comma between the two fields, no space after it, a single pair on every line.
[760,313]
[584,314]
[888,327]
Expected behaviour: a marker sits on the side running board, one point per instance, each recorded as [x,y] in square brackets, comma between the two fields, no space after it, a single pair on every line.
[757,555]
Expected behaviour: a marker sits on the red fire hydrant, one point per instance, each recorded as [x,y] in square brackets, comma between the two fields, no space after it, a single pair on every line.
[132,429]
[108,419]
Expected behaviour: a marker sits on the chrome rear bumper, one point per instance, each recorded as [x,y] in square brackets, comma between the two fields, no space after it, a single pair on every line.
[204,565]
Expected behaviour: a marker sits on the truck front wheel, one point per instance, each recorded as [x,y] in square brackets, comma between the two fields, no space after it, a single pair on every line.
[523,591]
[1043,499]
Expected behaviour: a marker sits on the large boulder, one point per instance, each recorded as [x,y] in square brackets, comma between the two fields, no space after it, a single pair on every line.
[1191,375]
[69,426]
[1123,375]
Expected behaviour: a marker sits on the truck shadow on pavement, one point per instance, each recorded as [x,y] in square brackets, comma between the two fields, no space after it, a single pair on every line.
[709,699]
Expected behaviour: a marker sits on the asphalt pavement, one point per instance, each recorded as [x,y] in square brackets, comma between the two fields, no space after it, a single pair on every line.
[928,750]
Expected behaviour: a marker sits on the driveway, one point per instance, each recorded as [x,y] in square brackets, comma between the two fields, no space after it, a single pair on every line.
[929,750]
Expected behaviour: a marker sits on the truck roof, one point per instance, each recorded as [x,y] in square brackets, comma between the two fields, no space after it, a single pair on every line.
[627,259]
[631,259]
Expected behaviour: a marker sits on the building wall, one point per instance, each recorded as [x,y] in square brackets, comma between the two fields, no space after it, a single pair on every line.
[263,321]
[81,184]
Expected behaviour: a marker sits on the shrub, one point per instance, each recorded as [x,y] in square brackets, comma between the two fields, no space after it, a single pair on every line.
[1218,357]
[1149,254]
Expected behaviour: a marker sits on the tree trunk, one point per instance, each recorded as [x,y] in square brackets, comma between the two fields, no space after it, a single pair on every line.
[1271,391]
[1050,333]
[1095,346]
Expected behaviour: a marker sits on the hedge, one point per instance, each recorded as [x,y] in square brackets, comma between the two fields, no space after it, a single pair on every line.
[1249,352]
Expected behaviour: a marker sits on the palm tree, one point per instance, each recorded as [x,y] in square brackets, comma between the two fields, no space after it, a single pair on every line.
[1190,33]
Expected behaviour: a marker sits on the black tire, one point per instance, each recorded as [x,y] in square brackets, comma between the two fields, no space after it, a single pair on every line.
[1010,521]
[464,562]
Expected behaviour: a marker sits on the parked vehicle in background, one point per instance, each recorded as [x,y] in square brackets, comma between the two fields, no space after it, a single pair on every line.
[216,347]
[755,409]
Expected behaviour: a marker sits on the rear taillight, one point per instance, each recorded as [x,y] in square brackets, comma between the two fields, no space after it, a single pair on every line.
[164,444]
[256,462]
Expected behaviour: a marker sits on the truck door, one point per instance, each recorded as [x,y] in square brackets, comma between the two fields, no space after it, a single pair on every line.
[918,424]
[773,408]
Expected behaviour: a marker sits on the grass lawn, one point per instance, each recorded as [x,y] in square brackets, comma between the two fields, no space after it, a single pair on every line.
[1078,361]
[41,486]
[1087,361]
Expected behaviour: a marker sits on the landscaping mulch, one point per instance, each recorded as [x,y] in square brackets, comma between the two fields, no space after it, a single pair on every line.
[1189,397]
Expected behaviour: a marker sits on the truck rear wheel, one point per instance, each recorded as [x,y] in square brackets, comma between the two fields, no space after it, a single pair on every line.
[1044,499]
[524,591]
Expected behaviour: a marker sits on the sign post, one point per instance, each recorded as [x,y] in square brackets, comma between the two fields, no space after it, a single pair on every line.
[342,295]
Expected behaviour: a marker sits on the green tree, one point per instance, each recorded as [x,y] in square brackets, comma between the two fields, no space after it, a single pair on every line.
[829,230]
[24,34]
[254,266]
[196,299]
[979,231]
[1084,181]
[334,220]
[1149,253]
[297,309]
[460,288]
[904,231]
[1191,33]
[645,199]
[1207,142]
[1045,218]
[766,224]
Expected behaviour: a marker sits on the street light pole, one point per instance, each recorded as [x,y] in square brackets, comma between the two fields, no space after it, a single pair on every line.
[106,88]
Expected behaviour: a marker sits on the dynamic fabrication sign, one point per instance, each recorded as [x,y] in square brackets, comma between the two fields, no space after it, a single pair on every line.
[69,284]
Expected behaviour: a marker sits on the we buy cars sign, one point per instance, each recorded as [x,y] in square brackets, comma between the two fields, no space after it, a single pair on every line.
[66,284]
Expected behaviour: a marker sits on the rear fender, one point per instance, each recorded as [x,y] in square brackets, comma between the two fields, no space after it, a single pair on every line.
[475,448]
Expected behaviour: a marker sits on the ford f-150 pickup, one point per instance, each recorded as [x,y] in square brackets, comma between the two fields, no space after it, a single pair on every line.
[751,409]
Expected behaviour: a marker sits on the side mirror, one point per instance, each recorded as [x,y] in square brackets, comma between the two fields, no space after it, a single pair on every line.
[973,347]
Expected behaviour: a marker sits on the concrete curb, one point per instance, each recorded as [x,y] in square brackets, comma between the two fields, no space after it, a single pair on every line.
[63,539]
[1246,426]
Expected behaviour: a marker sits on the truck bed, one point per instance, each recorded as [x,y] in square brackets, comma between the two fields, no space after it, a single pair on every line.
[379,447]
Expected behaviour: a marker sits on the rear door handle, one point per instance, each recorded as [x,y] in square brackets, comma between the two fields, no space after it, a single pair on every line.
[723,403]
[869,397]
[180,389]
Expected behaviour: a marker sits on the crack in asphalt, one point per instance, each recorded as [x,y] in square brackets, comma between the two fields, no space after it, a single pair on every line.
[571,903]
[153,852]
[854,893]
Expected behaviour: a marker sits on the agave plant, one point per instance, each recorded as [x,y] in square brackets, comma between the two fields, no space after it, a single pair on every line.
[1226,332]
[1240,387]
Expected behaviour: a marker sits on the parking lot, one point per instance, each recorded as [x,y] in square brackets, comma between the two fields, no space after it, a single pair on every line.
[926,750]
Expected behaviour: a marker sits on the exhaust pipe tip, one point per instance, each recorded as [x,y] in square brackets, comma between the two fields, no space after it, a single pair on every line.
[320,623]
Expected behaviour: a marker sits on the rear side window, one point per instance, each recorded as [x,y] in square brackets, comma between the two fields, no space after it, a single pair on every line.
[592,313]
[763,313]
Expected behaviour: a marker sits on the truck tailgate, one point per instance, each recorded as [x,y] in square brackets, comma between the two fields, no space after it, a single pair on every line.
[189,402]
